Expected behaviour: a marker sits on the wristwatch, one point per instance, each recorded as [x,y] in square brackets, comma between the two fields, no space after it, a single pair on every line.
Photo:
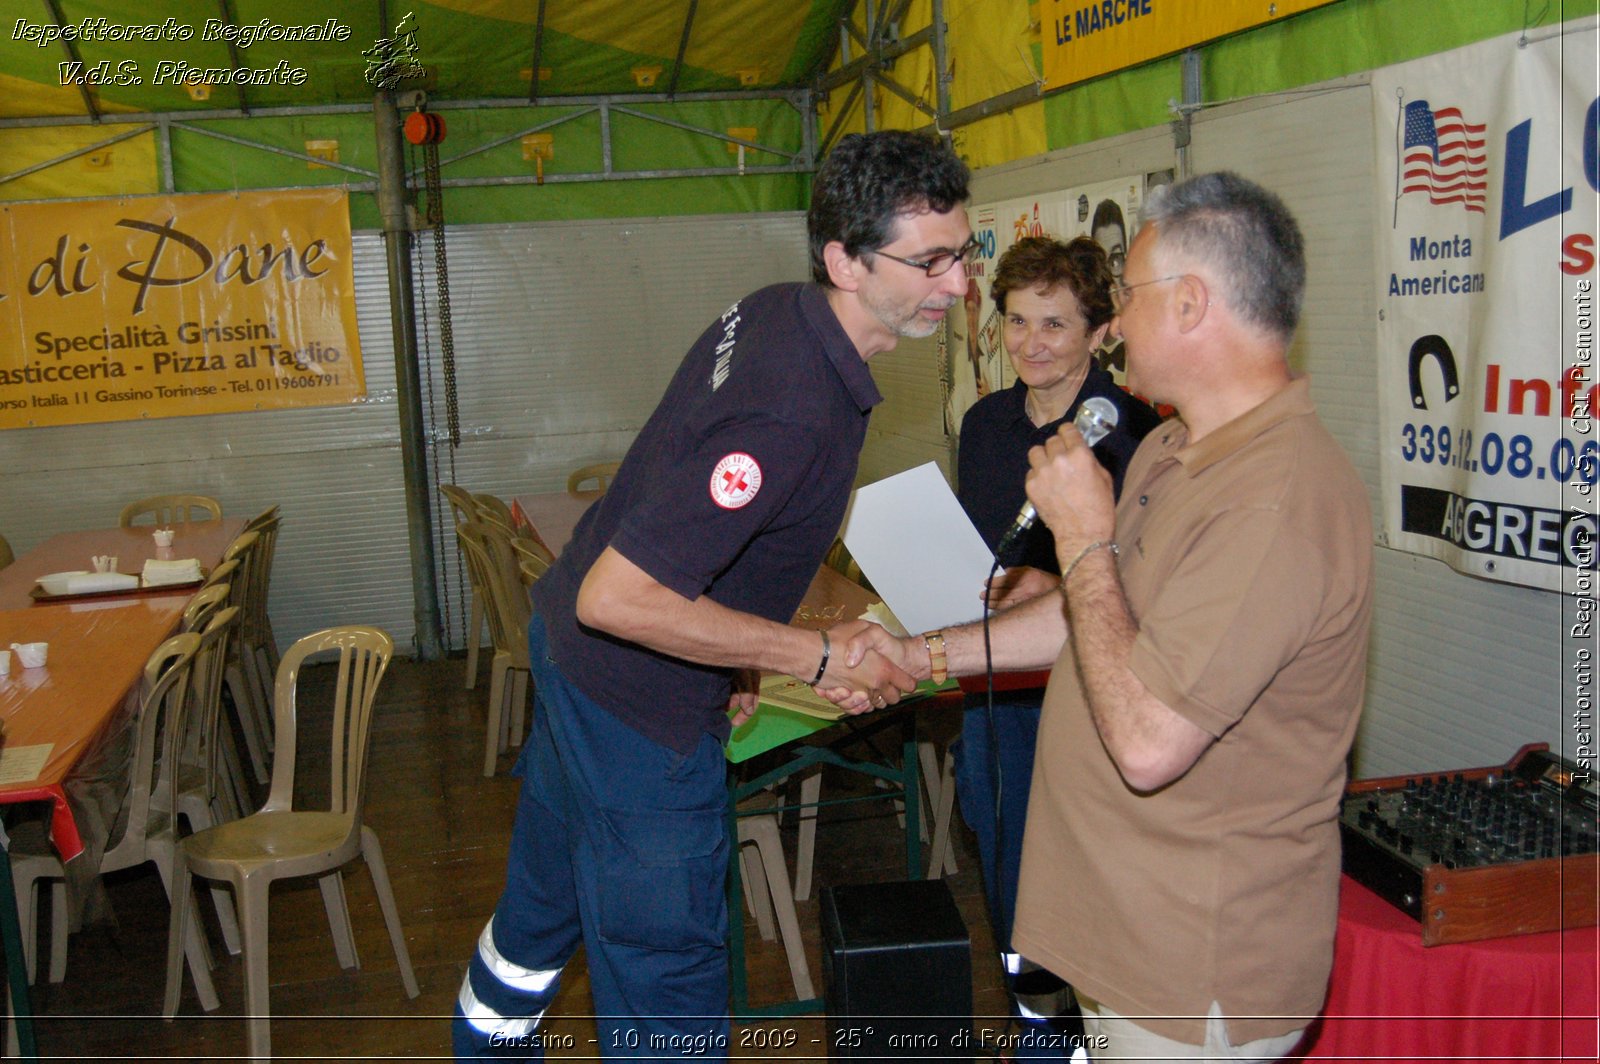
[934,641]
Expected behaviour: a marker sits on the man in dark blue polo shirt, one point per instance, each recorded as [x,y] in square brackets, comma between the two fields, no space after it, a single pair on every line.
[682,577]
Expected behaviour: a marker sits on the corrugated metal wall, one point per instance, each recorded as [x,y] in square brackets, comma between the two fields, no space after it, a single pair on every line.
[334,470]
[1462,671]
[565,336]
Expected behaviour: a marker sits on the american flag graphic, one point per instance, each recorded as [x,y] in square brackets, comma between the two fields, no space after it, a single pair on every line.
[1443,156]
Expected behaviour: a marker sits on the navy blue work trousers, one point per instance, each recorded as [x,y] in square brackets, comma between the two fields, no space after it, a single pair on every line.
[621,843]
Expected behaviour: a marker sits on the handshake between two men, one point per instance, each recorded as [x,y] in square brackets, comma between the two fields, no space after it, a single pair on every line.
[870,668]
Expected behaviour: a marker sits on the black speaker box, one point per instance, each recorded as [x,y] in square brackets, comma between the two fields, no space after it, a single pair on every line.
[897,972]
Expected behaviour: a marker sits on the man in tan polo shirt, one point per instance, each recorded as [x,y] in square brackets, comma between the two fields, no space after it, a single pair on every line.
[1181,858]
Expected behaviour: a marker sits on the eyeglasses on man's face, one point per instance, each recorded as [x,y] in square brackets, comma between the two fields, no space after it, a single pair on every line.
[1119,293]
[940,263]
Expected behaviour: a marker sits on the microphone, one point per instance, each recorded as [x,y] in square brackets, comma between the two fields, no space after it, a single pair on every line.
[1094,421]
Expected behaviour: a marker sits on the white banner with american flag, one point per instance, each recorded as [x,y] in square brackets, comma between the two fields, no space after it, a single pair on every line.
[1488,171]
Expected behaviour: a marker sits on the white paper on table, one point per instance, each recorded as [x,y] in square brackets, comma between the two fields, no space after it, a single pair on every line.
[916,544]
[22,764]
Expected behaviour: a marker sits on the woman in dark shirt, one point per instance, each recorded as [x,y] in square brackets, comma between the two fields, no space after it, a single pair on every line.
[1055,305]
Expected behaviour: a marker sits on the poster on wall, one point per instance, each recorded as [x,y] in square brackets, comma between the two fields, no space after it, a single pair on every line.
[1486,272]
[972,359]
[166,306]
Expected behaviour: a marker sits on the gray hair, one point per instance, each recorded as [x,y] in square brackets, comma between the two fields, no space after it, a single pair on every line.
[1243,232]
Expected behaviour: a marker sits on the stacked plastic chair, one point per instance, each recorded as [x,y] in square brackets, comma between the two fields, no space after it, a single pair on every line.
[497,574]
[164,510]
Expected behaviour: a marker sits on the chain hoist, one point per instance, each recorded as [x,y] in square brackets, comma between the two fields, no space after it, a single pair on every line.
[426,130]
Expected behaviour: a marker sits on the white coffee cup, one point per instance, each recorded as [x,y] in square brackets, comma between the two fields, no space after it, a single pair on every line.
[5,663]
[32,655]
[162,536]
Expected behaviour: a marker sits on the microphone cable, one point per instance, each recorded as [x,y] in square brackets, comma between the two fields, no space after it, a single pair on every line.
[996,781]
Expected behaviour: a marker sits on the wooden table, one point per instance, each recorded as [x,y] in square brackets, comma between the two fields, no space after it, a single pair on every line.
[97,654]
[82,699]
[132,547]
[551,516]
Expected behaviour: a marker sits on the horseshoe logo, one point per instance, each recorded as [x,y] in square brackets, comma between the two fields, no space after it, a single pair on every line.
[1434,347]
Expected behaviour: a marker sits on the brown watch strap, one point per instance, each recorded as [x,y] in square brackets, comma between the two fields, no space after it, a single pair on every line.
[934,641]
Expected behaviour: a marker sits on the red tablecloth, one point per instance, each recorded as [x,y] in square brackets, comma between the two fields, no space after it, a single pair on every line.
[1525,997]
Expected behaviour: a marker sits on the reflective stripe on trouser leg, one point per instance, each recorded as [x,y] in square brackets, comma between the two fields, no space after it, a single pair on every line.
[501,997]
[1042,1008]
[1046,1010]
[1040,994]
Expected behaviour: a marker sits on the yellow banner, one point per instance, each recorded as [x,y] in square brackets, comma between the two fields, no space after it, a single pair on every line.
[1086,38]
[165,306]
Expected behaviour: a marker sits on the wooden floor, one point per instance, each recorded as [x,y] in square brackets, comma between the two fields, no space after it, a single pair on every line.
[444,829]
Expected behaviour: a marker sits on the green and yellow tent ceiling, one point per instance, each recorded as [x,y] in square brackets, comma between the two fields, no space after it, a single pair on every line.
[471,49]
[681,65]
[690,66]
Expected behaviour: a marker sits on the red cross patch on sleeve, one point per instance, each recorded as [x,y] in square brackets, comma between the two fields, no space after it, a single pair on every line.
[735,480]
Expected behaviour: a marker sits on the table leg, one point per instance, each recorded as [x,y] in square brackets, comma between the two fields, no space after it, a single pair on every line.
[21,1018]
[913,803]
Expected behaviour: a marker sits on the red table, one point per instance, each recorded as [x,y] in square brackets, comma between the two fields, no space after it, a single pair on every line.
[1524,997]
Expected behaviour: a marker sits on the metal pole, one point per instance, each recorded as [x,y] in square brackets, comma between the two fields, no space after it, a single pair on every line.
[941,63]
[403,317]
[1182,129]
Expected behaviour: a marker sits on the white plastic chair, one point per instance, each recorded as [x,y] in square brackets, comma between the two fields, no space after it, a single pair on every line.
[492,558]
[767,892]
[149,829]
[281,841]
[166,510]
[464,508]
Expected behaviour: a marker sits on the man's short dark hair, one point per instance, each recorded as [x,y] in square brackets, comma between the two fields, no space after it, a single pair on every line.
[870,178]
[1107,212]
[1246,234]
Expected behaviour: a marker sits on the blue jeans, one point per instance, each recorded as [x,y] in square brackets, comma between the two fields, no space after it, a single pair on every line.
[622,843]
[1016,733]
